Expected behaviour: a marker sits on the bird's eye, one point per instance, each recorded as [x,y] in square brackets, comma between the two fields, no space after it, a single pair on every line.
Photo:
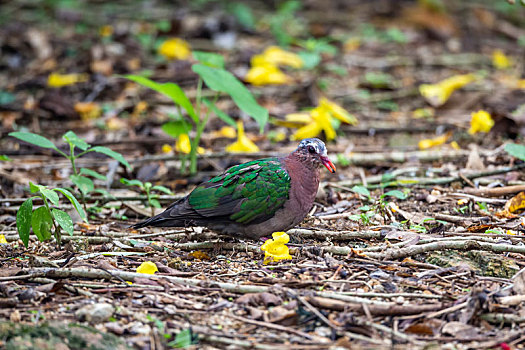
[311,149]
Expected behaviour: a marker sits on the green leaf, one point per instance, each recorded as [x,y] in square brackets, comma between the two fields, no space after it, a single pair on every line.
[5,158]
[51,195]
[72,138]
[209,58]
[6,97]
[34,139]
[310,59]
[170,90]
[183,339]
[23,220]
[73,201]
[176,128]
[395,193]
[92,173]
[223,116]
[64,220]
[515,150]
[42,222]
[154,203]
[110,153]
[132,182]
[35,188]
[84,184]
[161,189]
[362,190]
[223,81]
[243,13]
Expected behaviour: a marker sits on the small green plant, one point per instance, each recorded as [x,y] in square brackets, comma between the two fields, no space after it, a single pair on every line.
[4,158]
[147,187]
[79,177]
[183,339]
[46,220]
[210,70]
[284,23]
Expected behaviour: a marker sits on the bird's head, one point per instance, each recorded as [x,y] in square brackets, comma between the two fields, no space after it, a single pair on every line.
[314,150]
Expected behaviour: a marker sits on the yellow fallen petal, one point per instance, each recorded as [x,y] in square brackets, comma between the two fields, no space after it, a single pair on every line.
[226,131]
[310,130]
[175,49]
[278,56]
[266,75]
[303,118]
[59,80]
[323,118]
[147,267]
[462,201]
[167,148]
[105,31]
[423,113]
[500,60]
[275,249]
[183,144]
[437,141]
[481,121]
[352,44]
[455,145]
[437,94]
[243,143]
[88,110]
[2,239]
[337,111]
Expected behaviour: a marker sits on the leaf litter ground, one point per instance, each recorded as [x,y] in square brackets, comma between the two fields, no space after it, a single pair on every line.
[438,267]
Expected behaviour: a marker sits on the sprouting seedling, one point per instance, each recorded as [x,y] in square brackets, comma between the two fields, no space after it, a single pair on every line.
[147,187]
[46,220]
[79,177]
[210,70]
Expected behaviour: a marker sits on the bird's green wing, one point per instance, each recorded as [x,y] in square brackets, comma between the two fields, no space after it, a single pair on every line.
[248,193]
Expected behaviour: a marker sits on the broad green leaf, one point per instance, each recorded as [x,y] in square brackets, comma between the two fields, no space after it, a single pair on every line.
[42,223]
[395,193]
[64,220]
[154,203]
[34,139]
[92,173]
[72,138]
[161,189]
[132,182]
[209,58]
[515,150]
[23,220]
[84,184]
[176,128]
[51,195]
[170,90]
[243,13]
[310,59]
[108,152]
[73,201]
[5,158]
[223,81]
[182,340]
[35,188]
[361,190]
[223,116]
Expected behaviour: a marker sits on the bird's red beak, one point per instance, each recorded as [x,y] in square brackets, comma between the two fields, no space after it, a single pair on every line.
[328,164]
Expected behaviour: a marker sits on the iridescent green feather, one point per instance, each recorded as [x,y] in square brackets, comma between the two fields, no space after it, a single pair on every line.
[244,193]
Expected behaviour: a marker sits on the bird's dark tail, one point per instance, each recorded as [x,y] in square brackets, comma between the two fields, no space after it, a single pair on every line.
[176,215]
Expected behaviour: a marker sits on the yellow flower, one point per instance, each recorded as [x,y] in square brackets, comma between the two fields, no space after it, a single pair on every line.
[183,145]
[275,249]
[437,141]
[320,120]
[243,143]
[302,118]
[481,121]
[226,131]
[167,148]
[2,239]
[175,49]
[278,57]
[266,74]
[88,110]
[147,267]
[106,31]
[437,94]
[500,60]
[337,111]
[59,80]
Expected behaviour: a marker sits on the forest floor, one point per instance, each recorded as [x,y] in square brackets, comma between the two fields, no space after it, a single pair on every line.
[406,246]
